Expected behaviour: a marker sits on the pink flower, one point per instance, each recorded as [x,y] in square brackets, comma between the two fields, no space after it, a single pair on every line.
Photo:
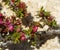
[22,37]
[35,28]
[0,19]
[11,28]
[1,22]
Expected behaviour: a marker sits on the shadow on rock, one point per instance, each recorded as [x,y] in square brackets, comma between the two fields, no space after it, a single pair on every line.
[22,46]
[42,39]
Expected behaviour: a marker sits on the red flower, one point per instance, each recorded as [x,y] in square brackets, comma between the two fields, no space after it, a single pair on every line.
[50,18]
[1,18]
[13,17]
[1,22]
[22,37]
[35,28]
[7,22]
[22,5]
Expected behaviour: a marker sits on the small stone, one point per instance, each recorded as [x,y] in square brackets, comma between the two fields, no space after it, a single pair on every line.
[45,27]
[28,40]
[6,49]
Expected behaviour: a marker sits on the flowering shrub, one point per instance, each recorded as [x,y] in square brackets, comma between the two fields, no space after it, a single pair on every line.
[18,7]
[12,25]
[47,18]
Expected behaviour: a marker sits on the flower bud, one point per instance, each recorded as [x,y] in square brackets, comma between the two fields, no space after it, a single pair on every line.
[22,37]
[35,28]
[11,28]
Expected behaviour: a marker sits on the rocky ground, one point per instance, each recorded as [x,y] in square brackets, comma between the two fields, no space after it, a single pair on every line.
[33,7]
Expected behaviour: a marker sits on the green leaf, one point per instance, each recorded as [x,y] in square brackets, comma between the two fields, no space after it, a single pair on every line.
[46,13]
[33,43]
[54,24]
[17,1]
[28,32]
[41,8]
[15,37]
[19,13]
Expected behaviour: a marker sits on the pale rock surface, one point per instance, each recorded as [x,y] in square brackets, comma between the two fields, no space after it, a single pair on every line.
[52,44]
[54,7]
[6,10]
